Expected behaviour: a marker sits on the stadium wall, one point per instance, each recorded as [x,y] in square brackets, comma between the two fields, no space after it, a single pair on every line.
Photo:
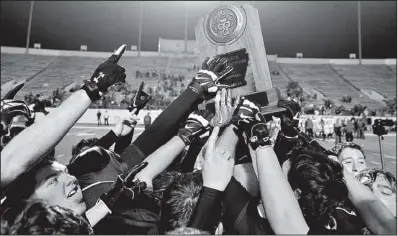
[275,58]
[90,116]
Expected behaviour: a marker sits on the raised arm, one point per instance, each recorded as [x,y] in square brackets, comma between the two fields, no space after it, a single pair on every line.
[158,161]
[34,142]
[279,202]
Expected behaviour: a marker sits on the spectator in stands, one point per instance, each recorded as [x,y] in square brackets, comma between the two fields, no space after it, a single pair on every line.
[383,184]
[106,118]
[99,117]
[337,130]
[147,120]
[309,125]
[351,156]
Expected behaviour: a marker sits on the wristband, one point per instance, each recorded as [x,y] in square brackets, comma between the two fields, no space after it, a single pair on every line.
[92,90]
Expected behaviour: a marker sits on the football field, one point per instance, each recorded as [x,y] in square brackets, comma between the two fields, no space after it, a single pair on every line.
[370,145]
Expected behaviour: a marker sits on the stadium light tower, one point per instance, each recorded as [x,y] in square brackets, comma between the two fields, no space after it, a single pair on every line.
[29,26]
[140,27]
[359,33]
[186,28]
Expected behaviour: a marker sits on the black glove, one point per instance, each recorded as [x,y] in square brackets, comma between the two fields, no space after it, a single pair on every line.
[9,110]
[139,100]
[206,80]
[108,75]
[91,160]
[290,118]
[248,119]
[125,186]
[197,124]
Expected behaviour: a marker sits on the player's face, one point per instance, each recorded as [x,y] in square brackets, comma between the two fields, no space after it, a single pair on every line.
[385,193]
[57,187]
[352,159]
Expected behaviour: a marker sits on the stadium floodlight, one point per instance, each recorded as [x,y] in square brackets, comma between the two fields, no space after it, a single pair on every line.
[83,48]
[37,46]
[353,56]
[299,55]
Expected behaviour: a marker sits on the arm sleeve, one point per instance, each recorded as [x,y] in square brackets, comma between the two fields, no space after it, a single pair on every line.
[189,160]
[163,128]
[209,201]
[123,142]
[107,140]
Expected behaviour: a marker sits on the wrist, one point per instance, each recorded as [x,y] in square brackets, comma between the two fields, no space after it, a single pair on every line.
[91,90]
[100,205]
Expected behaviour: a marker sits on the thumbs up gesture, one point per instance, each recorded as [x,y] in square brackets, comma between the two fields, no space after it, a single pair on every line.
[108,75]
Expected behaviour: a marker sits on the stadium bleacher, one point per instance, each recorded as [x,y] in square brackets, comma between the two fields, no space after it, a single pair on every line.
[21,66]
[372,77]
[324,79]
[47,73]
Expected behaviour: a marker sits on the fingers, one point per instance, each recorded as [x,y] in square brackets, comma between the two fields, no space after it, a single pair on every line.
[205,63]
[226,72]
[118,54]
[141,87]
[211,143]
[219,65]
[223,97]
[217,102]
[135,171]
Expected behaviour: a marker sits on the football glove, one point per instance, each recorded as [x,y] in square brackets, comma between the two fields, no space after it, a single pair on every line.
[108,75]
[139,100]
[206,81]
[198,123]
[125,186]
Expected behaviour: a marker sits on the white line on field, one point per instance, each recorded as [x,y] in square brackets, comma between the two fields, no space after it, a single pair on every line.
[375,162]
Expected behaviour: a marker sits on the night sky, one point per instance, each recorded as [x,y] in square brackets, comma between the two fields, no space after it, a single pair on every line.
[324,29]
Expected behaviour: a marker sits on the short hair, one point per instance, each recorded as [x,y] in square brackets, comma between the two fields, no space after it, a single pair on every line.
[338,148]
[187,230]
[24,186]
[371,175]
[163,181]
[180,199]
[39,218]
[321,182]
[83,145]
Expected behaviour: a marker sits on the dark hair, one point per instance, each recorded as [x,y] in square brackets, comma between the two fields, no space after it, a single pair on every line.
[371,175]
[83,145]
[162,182]
[24,186]
[338,148]
[180,199]
[39,218]
[320,180]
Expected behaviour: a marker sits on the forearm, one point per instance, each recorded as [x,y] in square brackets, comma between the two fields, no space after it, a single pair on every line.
[167,123]
[124,142]
[374,213]
[107,140]
[97,213]
[161,159]
[279,202]
[34,142]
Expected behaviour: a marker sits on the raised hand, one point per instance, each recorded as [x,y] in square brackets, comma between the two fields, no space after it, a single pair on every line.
[224,108]
[206,80]
[218,164]
[108,75]
[124,126]
[126,185]
[139,100]
[11,109]
[248,119]
[290,118]
[196,125]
